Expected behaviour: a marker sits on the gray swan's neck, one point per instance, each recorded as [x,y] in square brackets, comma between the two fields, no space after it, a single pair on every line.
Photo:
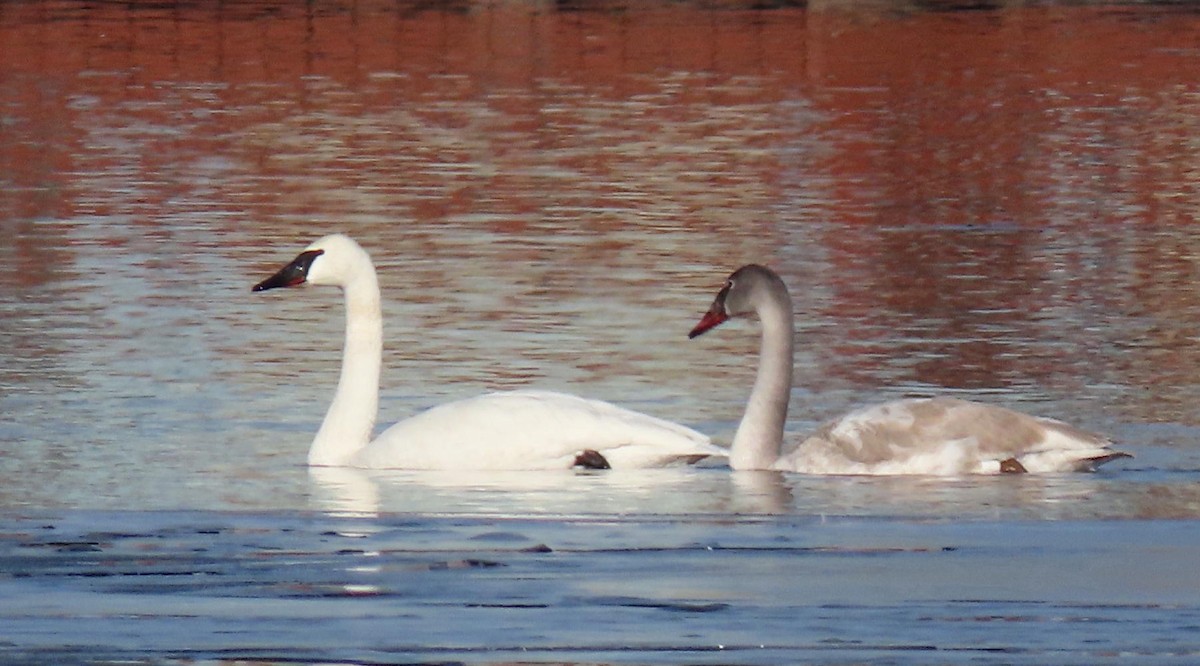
[759,437]
[350,421]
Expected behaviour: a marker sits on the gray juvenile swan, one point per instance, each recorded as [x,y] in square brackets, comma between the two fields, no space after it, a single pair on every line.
[509,430]
[938,436]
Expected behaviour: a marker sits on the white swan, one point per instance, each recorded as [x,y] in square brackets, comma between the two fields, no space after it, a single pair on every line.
[943,436]
[511,430]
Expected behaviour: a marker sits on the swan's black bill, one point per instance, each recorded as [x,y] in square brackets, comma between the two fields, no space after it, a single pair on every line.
[291,275]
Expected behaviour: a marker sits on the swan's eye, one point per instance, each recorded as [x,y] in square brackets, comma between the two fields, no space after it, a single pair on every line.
[305,261]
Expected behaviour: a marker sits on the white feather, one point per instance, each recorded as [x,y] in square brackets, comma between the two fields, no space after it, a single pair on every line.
[520,430]
[531,430]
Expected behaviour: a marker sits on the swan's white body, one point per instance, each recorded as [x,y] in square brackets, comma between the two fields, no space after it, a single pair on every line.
[515,430]
[940,436]
[531,430]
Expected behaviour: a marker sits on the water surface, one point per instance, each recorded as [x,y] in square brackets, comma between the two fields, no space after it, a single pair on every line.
[996,203]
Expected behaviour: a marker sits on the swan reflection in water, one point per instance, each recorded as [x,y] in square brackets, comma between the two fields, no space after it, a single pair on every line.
[716,492]
[670,491]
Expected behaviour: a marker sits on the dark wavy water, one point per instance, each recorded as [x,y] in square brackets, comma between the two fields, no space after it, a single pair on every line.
[997,203]
[182,587]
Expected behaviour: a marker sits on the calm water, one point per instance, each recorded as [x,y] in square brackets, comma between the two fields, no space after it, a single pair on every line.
[997,203]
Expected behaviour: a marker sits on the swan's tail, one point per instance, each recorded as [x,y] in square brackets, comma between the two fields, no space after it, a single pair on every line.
[1090,464]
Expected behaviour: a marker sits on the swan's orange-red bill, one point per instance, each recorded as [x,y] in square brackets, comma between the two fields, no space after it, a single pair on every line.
[710,320]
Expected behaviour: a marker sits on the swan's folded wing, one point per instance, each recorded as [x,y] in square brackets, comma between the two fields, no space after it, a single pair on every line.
[945,436]
[531,430]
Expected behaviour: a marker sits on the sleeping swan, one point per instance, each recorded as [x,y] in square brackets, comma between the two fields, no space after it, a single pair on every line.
[517,430]
[943,436]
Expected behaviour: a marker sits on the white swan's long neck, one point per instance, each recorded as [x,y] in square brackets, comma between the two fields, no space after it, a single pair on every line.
[760,434]
[350,421]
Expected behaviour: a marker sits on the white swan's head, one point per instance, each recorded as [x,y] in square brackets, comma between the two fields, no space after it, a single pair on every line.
[333,260]
[748,290]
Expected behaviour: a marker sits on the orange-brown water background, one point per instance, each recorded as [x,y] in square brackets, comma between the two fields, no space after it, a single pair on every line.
[993,199]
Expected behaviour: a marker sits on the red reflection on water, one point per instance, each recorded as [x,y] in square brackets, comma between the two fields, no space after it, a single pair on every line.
[947,164]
